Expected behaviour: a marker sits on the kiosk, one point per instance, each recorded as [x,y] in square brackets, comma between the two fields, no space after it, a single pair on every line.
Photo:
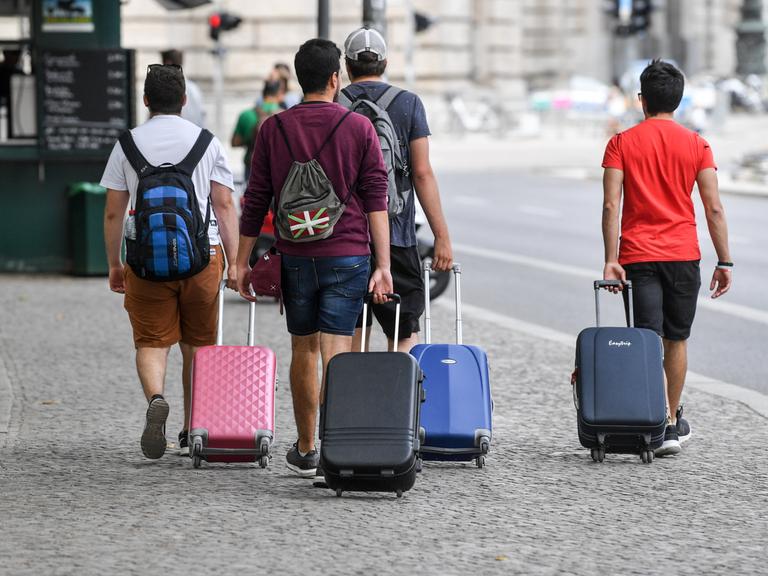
[66,94]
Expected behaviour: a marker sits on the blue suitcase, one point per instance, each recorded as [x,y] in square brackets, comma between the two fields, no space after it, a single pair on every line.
[618,386]
[456,415]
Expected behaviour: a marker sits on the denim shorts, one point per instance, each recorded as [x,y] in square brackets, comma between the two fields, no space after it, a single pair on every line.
[324,294]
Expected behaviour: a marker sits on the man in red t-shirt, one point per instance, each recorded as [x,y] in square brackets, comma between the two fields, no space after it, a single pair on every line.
[656,164]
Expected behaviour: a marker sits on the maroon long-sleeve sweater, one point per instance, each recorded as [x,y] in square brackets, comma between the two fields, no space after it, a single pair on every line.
[352,161]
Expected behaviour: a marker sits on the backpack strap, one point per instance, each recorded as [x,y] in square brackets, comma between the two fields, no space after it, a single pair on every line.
[345,99]
[134,156]
[285,136]
[332,132]
[387,97]
[196,153]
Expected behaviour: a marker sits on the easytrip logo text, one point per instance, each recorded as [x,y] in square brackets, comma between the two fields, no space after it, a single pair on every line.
[619,344]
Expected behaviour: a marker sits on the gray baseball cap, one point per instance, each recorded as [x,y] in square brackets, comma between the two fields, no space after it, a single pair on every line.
[365,40]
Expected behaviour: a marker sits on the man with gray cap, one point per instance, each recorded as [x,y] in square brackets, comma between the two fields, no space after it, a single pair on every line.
[366,61]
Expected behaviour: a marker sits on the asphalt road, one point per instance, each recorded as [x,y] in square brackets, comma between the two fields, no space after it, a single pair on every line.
[530,244]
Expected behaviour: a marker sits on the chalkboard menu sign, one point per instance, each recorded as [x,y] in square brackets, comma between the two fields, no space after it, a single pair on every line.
[85,100]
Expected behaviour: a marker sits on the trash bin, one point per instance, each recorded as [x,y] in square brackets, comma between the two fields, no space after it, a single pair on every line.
[86,229]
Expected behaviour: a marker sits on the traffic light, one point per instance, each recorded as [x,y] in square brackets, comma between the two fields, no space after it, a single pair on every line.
[632,16]
[219,22]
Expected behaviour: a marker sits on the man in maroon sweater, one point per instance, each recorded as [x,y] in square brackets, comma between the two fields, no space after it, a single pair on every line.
[323,281]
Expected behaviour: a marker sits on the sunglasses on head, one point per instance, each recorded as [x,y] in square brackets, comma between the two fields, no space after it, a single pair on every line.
[154,66]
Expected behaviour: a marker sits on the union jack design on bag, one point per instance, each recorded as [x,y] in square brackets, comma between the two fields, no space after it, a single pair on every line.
[308,222]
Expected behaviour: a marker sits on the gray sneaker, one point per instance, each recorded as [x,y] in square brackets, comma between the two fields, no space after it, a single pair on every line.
[153,442]
[671,444]
[304,466]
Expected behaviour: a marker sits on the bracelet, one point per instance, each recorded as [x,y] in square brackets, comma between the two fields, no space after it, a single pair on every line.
[724,265]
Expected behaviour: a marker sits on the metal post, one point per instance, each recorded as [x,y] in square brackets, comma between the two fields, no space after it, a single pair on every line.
[410,25]
[750,41]
[375,15]
[218,85]
[324,19]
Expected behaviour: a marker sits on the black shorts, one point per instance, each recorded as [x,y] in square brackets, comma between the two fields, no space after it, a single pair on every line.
[665,295]
[405,266]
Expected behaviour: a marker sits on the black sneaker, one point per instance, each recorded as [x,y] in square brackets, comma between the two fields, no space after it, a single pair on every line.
[683,428]
[671,444]
[153,442]
[184,443]
[304,466]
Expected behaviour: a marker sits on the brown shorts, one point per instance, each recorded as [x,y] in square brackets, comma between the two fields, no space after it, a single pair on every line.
[164,313]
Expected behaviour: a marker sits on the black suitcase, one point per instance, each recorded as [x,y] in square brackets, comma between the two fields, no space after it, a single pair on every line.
[369,420]
[618,386]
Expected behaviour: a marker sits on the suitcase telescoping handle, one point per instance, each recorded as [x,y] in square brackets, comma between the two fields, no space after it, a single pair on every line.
[220,321]
[427,267]
[607,284]
[366,299]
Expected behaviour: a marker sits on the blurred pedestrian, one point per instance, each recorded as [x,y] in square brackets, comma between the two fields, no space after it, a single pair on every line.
[654,167]
[328,161]
[250,120]
[366,60]
[194,108]
[183,310]
[289,97]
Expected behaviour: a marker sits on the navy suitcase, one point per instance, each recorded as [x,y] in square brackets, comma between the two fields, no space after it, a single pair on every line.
[457,413]
[618,386]
[369,420]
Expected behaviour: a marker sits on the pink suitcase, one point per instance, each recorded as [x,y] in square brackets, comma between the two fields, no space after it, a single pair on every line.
[233,399]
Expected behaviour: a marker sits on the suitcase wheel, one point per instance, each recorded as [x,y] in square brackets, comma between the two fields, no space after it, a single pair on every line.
[418,465]
[480,461]
[399,493]
[646,456]
[598,454]
[485,444]
[264,461]
[196,460]
[264,447]
[338,492]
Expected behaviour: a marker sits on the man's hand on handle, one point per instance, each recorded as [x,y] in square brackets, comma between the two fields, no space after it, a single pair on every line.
[721,282]
[243,282]
[380,284]
[443,259]
[614,271]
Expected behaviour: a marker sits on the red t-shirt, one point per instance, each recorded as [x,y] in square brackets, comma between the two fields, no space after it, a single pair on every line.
[660,160]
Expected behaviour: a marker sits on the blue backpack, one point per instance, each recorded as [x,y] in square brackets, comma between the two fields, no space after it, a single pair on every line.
[171,237]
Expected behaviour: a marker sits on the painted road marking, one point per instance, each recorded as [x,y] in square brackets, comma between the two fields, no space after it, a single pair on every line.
[751,398]
[721,306]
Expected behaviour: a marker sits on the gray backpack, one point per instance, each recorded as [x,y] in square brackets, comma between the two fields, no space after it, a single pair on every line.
[309,206]
[376,112]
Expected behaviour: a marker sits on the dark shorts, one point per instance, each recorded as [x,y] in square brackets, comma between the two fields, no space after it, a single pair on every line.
[324,294]
[665,295]
[405,266]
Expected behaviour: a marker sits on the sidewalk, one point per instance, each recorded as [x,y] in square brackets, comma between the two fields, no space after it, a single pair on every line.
[77,497]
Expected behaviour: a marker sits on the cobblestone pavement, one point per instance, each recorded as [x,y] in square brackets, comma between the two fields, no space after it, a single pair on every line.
[77,497]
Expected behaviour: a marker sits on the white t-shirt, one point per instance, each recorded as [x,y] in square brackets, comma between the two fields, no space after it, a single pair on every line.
[169,138]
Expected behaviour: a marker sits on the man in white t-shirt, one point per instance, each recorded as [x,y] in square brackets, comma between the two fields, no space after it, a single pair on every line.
[178,311]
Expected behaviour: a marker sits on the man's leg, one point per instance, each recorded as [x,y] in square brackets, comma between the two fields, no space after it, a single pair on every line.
[304,388]
[405,344]
[675,367]
[151,364]
[330,345]
[187,355]
[358,337]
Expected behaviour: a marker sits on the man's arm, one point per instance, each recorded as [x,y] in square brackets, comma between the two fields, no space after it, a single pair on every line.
[381,279]
[425,183]
[114,212]
[718,228]
[224,208]
[613,181]
[258,195]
